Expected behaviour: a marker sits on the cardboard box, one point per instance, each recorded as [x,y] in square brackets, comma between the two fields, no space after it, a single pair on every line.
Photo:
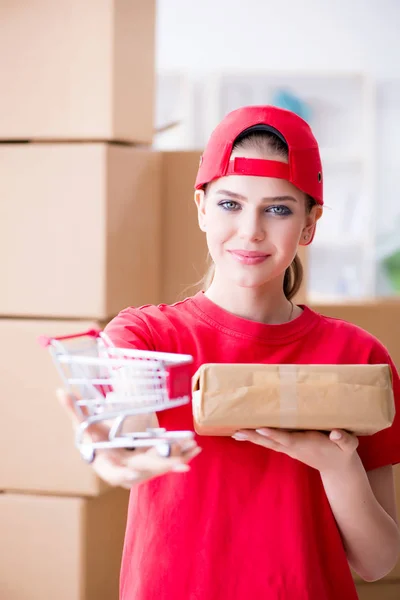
[37,438]
[378,591]
[81,232]
[61,548]
[379,317]
[184,247]
[82,70]
[357,398]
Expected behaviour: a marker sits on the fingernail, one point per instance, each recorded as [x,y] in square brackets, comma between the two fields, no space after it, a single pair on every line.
[240,437]
[181,468]
[335,435]
[263,432]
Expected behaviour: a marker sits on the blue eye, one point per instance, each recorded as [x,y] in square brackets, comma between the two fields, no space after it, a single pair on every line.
[229,205]
[280,210]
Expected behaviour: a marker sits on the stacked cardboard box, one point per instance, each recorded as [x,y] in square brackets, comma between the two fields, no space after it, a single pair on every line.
[80,239]
[379,318]
[78,71]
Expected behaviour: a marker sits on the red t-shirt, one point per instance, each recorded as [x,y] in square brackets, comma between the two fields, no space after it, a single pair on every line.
[245,522]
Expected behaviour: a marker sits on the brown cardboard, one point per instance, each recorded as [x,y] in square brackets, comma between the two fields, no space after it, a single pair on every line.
[83,71]
[378,317]
[64,548]
[37,440]
[357,398]
[81,232]
[378,591]
[395,573]
[184,247]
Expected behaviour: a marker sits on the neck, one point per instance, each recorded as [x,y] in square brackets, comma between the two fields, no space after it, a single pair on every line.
[265,305]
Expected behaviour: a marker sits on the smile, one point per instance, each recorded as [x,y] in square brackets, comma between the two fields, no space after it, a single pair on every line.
[248,257]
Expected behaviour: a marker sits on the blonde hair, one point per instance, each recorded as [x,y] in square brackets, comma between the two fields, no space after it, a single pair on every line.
[267,142]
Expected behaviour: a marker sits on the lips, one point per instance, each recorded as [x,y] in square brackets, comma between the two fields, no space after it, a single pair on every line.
[248,257]
[249,253]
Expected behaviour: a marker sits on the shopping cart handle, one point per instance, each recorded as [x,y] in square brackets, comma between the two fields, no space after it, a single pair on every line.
[45,341]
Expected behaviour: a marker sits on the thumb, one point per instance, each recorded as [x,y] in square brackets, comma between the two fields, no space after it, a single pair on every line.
[97,431]
[346,441]
[68,401]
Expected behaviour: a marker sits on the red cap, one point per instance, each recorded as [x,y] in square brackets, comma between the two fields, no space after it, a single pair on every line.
[304,169]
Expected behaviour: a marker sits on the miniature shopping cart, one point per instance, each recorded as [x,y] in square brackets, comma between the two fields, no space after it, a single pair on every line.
[110,384]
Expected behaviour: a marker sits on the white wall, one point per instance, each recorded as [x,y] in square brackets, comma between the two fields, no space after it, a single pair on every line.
[315,34]
[201,36]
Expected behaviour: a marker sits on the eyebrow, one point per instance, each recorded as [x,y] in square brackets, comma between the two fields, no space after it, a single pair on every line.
[236,196]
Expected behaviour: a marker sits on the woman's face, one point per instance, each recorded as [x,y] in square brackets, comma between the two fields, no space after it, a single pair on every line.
[253,225]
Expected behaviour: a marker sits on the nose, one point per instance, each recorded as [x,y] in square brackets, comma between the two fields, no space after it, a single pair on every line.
[251,226]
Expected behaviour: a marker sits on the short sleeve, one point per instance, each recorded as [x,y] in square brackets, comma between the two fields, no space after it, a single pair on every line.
[129,329]
[383,448]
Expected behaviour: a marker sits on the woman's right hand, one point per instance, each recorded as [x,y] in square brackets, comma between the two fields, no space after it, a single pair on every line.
[124,468]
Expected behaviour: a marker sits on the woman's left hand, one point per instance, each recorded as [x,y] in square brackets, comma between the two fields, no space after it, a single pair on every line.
[315,449]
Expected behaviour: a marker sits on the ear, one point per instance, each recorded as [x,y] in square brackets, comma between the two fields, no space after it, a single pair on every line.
[199,198]
[308,232]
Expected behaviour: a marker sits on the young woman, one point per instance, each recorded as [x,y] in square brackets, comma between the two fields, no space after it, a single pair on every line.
[283,515]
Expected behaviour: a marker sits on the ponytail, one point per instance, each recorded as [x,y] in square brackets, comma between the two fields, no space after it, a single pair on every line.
[293,278]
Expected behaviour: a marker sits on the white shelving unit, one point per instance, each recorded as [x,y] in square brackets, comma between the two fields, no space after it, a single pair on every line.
[174,111]
[388,165]
[342,109]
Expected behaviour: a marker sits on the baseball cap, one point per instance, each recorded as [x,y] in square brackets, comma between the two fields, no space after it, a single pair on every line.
[304,168]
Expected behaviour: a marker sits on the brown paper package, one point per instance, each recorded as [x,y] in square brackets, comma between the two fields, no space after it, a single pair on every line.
[228,397]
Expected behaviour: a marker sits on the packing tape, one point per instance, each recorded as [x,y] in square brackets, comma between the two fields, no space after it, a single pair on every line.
[288,396]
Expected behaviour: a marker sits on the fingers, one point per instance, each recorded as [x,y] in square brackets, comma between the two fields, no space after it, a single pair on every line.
[183,448]
[284,440]
[279,436]
[257,438]
[67,401]
[151,460]
[97,432]
[139,467]
[116,475]
[346,441]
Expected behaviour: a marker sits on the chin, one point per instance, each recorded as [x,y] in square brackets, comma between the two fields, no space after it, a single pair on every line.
[250,283]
